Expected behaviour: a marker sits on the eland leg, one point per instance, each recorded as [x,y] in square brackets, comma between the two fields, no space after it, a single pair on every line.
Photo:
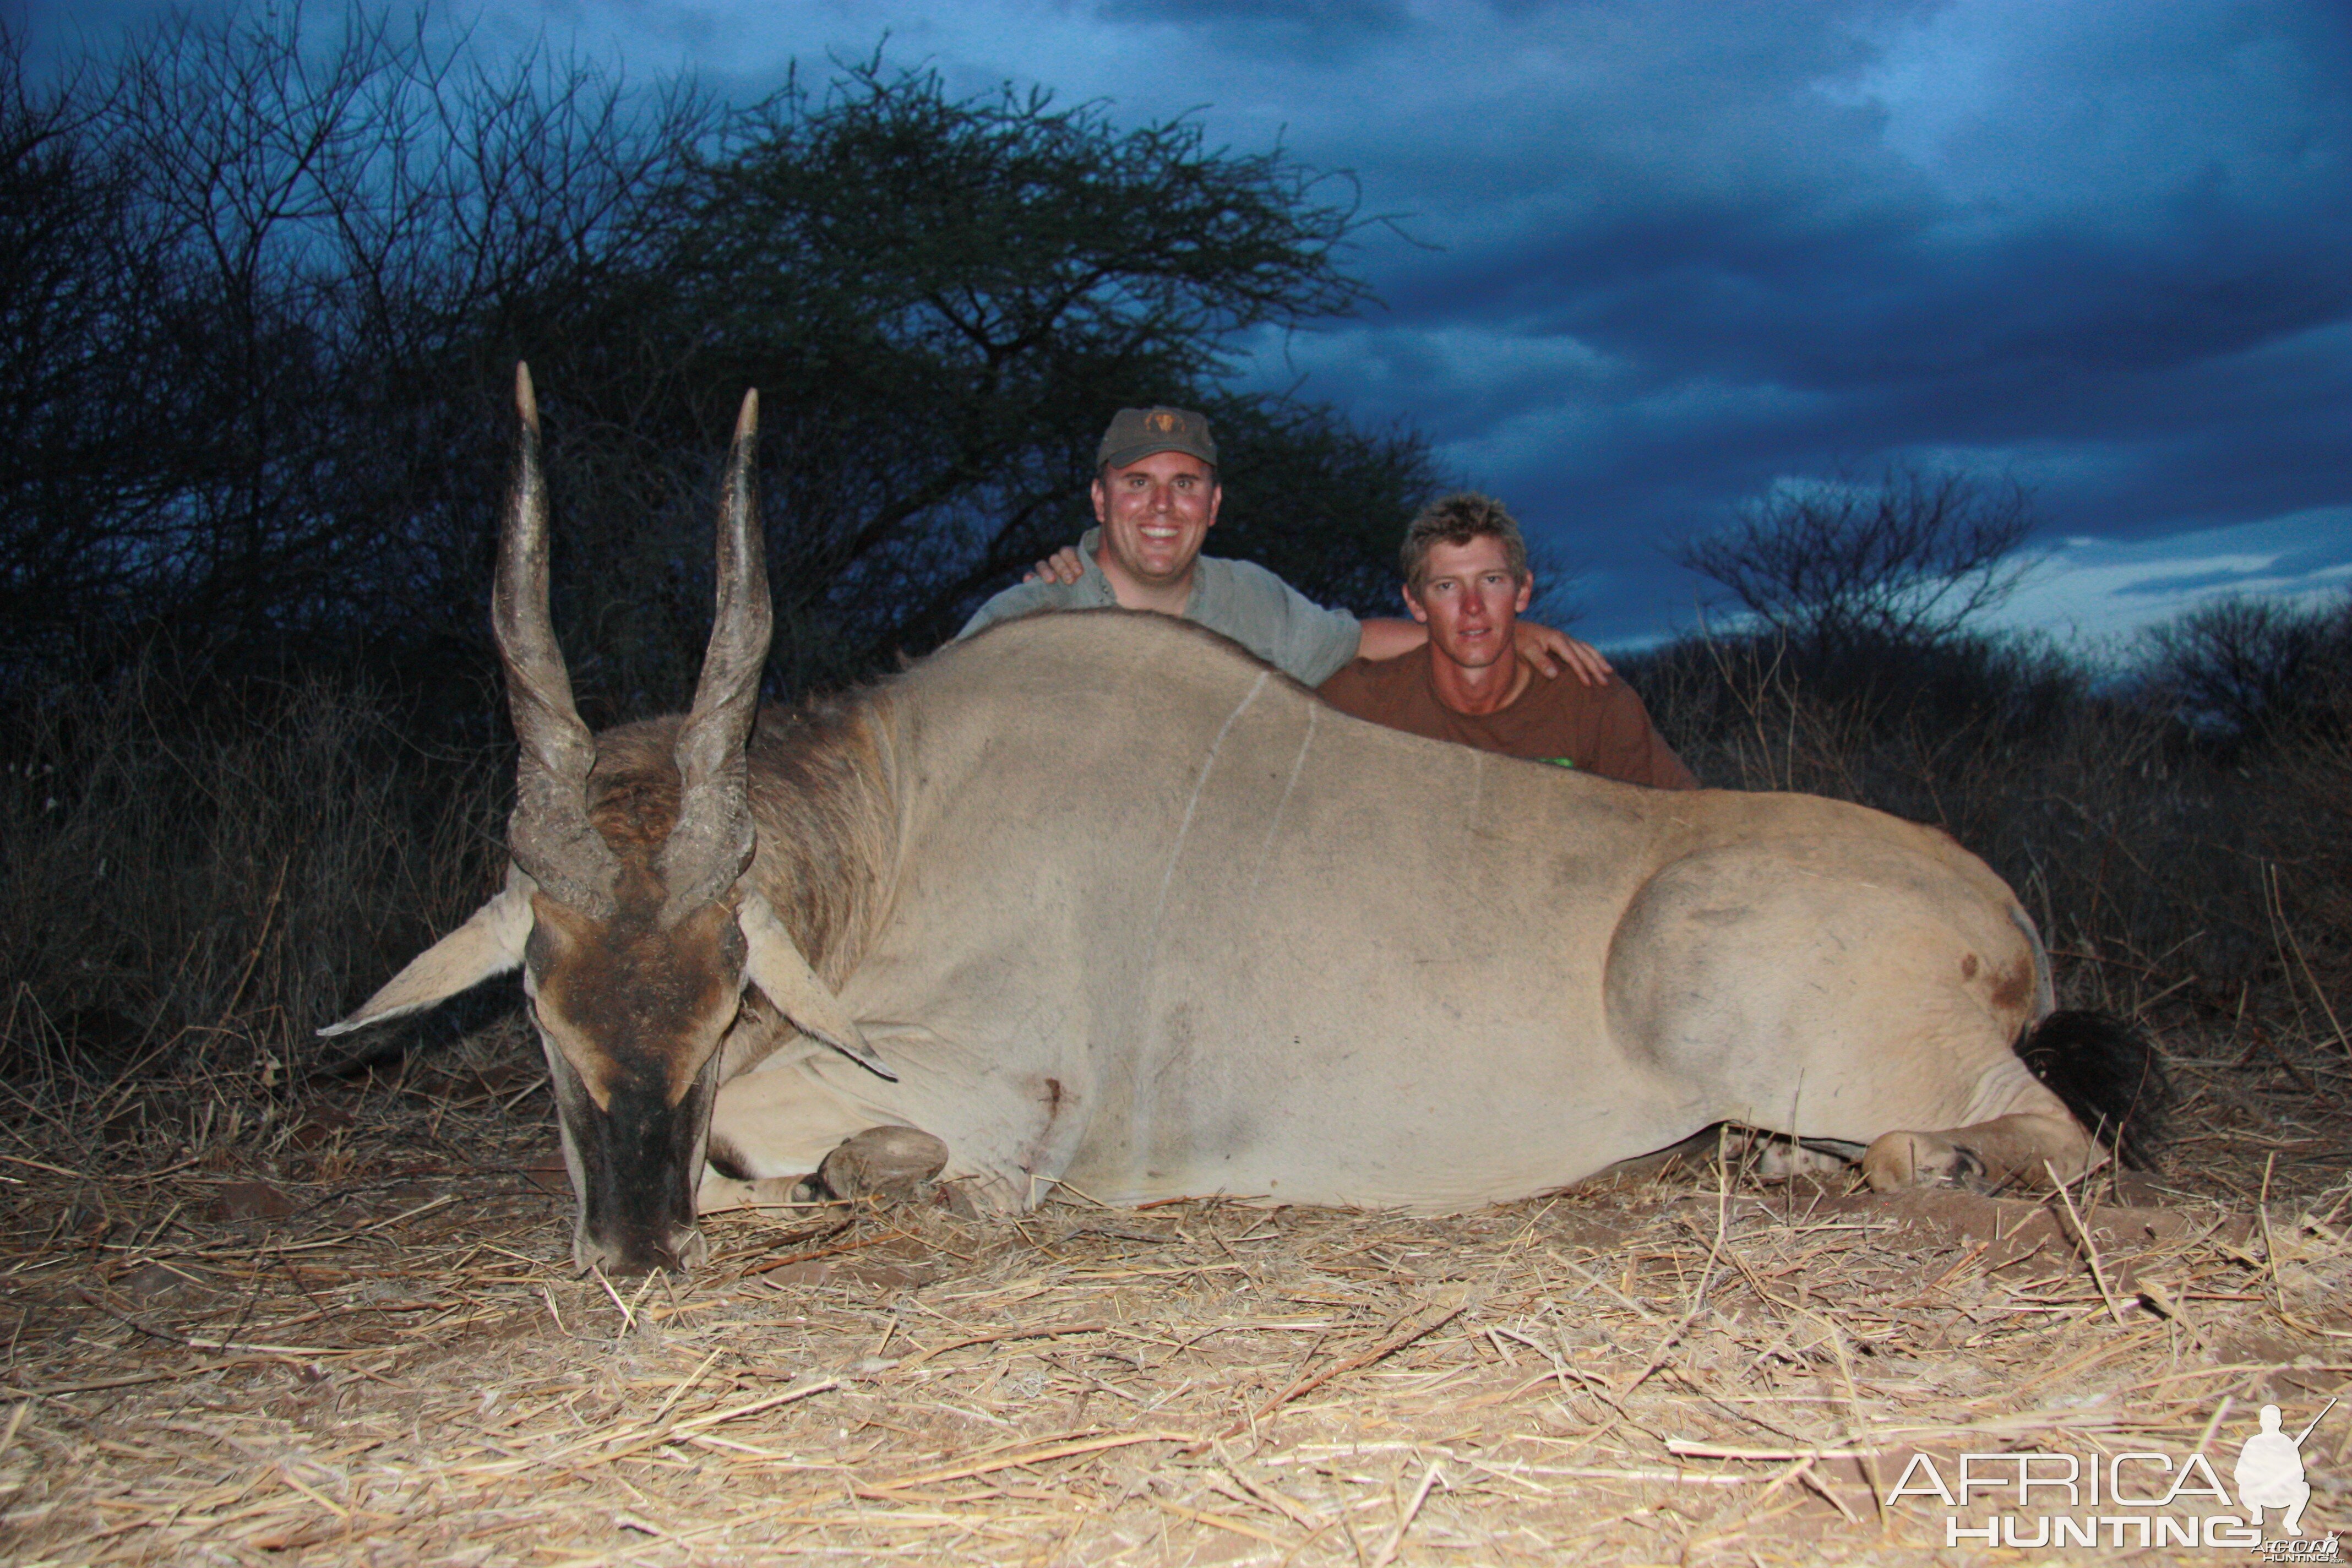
[896,1162]
[883,1162]
[2028,1146]
[1871,997]
[771,1129]
[2074,1087]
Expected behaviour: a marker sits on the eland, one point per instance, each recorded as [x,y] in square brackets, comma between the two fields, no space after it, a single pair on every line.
[1096,899]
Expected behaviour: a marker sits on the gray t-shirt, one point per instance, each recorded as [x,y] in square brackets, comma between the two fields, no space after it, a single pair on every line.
[1234,598]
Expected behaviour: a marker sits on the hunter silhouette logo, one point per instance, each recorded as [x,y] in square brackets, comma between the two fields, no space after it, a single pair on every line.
[2270,1471]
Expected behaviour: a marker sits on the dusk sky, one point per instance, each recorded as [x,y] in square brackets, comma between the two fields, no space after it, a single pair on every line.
[1658,257]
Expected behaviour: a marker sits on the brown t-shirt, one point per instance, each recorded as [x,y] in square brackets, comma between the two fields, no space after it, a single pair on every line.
[1599,729]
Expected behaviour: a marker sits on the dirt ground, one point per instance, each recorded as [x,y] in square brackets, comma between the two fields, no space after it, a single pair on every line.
[353,1335]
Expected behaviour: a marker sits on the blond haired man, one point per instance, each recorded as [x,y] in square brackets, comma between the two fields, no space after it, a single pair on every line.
[1467,579]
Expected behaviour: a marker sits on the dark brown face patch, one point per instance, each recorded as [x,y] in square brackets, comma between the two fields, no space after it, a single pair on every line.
[634,1015]
[635,1008]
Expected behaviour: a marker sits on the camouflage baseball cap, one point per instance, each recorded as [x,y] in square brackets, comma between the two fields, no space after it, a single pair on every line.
[1136,433]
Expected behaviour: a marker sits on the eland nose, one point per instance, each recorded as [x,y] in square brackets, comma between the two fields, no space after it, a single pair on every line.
[682,1252]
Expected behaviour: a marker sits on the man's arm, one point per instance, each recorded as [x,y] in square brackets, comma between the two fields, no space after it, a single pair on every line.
[1549,651]
[1383,636]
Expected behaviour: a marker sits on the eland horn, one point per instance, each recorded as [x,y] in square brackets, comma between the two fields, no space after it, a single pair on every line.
[550,835]
[712,841]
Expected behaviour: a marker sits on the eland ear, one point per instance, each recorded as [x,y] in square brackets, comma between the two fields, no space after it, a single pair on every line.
[773,962]
[492,942]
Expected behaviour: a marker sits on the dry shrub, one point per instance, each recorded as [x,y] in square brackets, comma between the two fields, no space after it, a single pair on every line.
[2306,789]
[2145,855]
[194,891]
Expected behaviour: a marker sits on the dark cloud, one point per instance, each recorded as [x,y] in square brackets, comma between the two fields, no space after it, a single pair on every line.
[2101,248]
[1383,15]
[1663,255]
[1317,31]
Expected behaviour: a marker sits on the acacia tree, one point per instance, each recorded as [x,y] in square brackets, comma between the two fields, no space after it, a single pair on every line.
[281,309]
[1835,568]
[944,299]
[2245,667]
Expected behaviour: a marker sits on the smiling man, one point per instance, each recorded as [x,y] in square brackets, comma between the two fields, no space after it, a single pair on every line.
[1155,498]
[1467,579]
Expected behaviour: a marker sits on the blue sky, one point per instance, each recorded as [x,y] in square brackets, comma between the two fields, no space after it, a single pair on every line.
[1659,258]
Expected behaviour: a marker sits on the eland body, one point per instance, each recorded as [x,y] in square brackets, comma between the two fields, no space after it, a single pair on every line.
[1098,899]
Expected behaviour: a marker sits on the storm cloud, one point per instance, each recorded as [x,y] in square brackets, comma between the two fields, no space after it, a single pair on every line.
[1644,261]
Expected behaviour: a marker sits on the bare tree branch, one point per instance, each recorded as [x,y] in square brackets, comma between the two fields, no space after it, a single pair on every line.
[1834,566]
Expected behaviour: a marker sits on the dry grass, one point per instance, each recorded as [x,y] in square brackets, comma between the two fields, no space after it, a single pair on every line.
[254,1317]
[356,1339]
[188,884]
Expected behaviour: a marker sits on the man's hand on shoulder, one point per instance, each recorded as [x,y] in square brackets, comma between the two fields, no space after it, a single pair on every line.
[1551,651]
[1064,567]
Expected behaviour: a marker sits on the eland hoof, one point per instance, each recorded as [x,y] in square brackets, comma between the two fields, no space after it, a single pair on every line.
[883,1162]
[1898,1161]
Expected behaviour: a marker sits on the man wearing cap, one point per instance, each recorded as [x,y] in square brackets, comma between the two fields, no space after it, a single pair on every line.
[1155,498]
[1467,579]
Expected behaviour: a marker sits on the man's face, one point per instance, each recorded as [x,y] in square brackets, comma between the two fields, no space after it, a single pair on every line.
[1155,513]
[1470,602]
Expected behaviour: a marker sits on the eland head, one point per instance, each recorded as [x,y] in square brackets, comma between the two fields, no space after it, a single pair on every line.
[627,905]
